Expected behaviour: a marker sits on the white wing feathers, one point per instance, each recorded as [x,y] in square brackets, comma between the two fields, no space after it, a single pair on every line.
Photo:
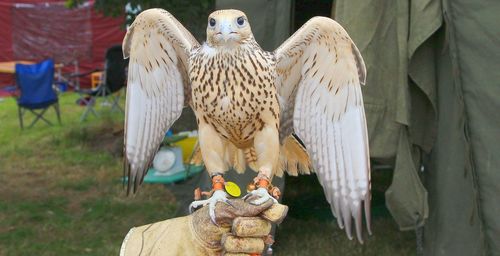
[319,75]
[158,47]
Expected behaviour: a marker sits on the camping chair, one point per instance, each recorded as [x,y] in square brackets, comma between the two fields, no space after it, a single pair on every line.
[36,91]
[112,81]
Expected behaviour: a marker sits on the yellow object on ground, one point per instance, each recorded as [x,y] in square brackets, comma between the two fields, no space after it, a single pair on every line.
[187,145]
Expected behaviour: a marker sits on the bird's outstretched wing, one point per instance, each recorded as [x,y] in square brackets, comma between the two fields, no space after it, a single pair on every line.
[319,73]
[158,86]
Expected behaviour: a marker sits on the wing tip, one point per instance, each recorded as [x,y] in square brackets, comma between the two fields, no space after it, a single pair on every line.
[135,175]
[368,218]
[347,214]
[130,178]
[127,177]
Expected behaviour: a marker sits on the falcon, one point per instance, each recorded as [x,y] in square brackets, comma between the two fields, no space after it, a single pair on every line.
[250,105]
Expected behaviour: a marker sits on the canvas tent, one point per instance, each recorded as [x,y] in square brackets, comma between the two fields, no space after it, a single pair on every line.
[37,29]
[432,100]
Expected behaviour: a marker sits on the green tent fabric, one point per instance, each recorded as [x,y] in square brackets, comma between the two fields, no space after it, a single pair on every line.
[433,93]
[270,20]
[385,34]
[464,175]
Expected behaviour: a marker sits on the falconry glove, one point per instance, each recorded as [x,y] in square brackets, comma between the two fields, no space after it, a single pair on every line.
[241,229]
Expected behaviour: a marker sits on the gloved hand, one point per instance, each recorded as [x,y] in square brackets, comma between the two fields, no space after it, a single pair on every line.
[249,235]
[195,234]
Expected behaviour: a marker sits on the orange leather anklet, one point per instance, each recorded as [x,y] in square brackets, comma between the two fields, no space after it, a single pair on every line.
[218,182]
[263,183]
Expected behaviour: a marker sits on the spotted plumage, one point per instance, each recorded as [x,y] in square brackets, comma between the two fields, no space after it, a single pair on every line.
[235,93]
[251,105]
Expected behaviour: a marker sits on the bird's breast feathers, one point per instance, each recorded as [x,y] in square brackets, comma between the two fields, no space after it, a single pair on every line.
[234,89]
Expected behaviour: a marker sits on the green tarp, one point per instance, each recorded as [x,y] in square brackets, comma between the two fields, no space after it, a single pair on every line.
[270,20]
[432,100]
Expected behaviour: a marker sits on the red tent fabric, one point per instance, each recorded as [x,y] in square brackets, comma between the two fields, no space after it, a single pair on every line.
[35,29]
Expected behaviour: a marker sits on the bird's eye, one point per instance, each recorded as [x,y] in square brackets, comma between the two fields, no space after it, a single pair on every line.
[240,21]
[211,22]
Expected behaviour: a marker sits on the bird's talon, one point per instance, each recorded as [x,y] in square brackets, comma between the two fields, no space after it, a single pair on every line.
[217,196]
[211,212]
[263,195]
[196,204]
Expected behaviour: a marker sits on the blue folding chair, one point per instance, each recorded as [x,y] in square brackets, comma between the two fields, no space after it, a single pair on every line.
[36,91]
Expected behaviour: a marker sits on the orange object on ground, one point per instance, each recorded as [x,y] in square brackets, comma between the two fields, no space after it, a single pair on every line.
[95,79]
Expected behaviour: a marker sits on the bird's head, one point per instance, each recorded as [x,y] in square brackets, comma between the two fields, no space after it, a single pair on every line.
[228,28]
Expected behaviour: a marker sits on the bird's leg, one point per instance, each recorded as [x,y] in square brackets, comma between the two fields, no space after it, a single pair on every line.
[263,186]
[266,143]
[212,151]
[218,195]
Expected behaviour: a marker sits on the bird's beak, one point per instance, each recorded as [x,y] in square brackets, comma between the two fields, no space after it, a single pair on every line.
[225,28]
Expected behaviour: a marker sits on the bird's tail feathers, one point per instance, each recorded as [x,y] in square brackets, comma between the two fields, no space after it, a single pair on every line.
[293,158]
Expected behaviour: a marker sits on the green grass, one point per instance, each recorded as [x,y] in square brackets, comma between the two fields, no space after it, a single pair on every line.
[60,194]
[310,228]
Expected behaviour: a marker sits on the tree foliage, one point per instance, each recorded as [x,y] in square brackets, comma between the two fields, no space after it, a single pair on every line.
[192,14]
